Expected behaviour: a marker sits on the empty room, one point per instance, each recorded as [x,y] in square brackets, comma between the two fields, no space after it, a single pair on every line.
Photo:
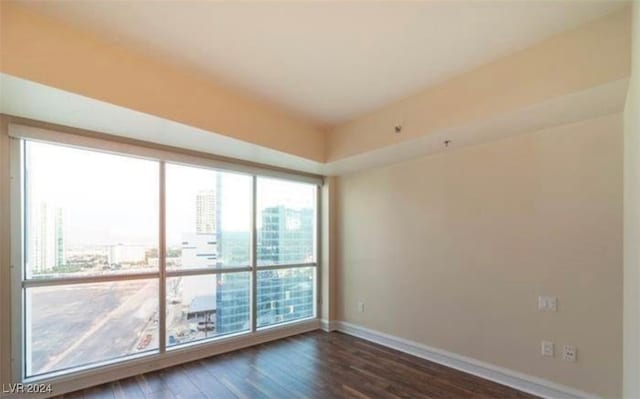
[433,199]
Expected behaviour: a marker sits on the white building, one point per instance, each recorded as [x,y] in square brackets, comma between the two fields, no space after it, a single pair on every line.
[46,237]
[121,253]
[199,251]
[206,212]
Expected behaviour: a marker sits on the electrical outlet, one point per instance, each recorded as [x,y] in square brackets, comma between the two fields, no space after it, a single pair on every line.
[569,353]
[547,303]
[361,306]
[547,348]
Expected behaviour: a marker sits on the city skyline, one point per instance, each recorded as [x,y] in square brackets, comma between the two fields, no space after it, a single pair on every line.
[112,182]
[208,225]
[286,236]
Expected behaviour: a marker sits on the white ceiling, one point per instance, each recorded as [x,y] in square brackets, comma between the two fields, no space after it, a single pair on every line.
[328,61]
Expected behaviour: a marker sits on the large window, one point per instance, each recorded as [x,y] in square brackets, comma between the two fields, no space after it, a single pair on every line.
[78,324]
[209,219]
[285,295]
[90,257]
[125,256]
[89,213]
[286,224]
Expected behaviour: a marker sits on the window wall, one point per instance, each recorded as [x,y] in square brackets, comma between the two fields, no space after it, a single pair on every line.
[125,256]
[91,272]
[208,240]
[285,249]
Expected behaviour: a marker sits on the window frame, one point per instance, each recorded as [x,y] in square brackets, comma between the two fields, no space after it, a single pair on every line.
[19,133]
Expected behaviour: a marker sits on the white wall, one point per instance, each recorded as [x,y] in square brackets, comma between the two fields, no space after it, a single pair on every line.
[452,251]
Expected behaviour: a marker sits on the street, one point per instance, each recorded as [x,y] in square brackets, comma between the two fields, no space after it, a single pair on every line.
[82,324]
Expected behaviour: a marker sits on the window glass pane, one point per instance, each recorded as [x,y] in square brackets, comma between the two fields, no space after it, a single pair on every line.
[76,325]
[286,222]
[88,212]
[208,218]
[285,295]
[200,307]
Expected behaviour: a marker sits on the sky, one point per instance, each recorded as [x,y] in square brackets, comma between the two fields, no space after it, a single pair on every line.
[184,183]
[111,199]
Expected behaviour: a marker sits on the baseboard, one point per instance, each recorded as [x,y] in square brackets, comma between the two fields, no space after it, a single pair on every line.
[328,325]
[523,382]
[520,381]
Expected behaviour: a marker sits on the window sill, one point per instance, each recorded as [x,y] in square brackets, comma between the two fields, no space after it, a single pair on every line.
[86,377]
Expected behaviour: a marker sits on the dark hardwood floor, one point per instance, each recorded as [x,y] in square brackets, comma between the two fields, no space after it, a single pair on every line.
[312,365]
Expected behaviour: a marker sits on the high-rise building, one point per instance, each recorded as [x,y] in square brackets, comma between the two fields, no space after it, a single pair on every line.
[234,248]
[59,237]
[199,251]
[284,295]
[206,212]
[286,235]
[46,248]
[232,297]
[232,289]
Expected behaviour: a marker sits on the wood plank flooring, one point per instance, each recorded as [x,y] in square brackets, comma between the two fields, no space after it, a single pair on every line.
[313,365]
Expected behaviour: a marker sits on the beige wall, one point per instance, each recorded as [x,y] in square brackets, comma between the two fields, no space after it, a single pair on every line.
[632,223]
[46,51]
[593,54]
[452,250]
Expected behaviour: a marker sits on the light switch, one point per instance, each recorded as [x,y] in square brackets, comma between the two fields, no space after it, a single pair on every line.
[548,303]
[547,348]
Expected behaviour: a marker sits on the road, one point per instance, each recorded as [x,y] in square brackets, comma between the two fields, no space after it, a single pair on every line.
[82,324]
